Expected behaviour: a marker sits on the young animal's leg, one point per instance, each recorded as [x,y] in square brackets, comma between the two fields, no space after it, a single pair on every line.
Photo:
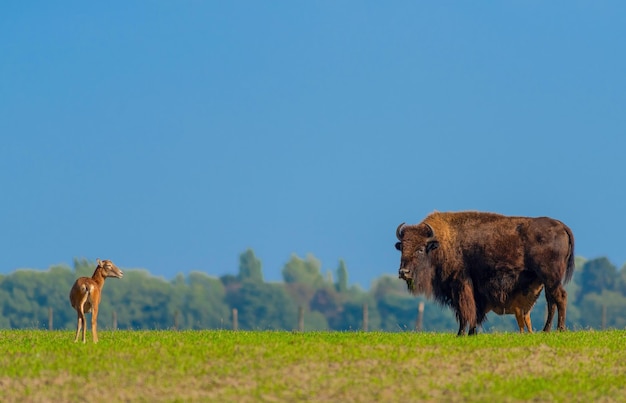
[81,315]
[94,323]
[79,325]
[529,324]
[521,319]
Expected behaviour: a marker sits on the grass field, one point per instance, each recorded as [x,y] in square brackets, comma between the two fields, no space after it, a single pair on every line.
[38,365]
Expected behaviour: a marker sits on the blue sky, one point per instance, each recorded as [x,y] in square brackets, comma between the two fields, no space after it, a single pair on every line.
[174,135]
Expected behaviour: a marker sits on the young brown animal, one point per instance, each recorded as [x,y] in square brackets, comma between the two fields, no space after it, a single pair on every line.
[520,305]
[85,296]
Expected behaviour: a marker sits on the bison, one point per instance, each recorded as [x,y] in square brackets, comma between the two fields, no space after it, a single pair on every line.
[475,262]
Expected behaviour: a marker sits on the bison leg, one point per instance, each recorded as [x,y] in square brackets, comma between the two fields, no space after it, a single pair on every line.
[561,305]
[556,298]
[551,308]
[466,310]
[462,326]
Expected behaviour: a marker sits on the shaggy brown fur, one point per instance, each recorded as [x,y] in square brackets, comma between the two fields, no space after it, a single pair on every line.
[85,296]
[475,262]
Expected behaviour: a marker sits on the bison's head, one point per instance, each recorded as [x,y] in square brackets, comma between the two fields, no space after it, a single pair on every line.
[416,242]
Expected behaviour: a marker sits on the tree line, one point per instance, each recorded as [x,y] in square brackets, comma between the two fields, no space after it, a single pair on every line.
[30,298]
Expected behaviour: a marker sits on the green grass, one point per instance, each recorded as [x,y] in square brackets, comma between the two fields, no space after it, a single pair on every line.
[38,365]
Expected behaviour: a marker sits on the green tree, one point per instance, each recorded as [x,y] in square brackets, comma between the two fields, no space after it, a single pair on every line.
[302,278]
[204,306]
[83,267]
[54,288]
[352,315]
[595,305]
[250,267]
[304,271]
[328,302]
[597,275]
[621,280]
[315,321]
[342,277]
[397,307]
[20,307]
[262,306]
[27,295]
[140,301]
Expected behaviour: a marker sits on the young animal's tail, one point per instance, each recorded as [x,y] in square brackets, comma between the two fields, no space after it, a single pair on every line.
[570,259]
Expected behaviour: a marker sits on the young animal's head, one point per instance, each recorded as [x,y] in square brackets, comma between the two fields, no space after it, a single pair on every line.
[109,269]
[416,243]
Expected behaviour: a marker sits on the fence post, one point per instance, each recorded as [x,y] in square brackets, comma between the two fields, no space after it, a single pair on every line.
[365,318]
[114,320]
[50,322]
[235,319]
[300,318]
[420,316]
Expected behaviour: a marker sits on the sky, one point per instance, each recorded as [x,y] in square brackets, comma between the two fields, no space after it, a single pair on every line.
[172,136]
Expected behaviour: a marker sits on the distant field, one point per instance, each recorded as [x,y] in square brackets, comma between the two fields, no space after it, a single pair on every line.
[316,366]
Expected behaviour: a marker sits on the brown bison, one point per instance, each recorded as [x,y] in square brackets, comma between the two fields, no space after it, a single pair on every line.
[476,262]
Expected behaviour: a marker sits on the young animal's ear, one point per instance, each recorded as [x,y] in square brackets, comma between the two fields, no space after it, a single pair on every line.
[99,262]
[399,246]
[431,245]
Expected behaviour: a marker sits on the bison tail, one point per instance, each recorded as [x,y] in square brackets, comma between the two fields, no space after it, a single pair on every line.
[570,260]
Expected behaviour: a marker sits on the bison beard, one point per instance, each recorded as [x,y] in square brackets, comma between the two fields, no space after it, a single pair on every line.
[476,262]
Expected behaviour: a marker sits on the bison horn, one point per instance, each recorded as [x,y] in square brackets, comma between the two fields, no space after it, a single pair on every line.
[430,230]
[400,231]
